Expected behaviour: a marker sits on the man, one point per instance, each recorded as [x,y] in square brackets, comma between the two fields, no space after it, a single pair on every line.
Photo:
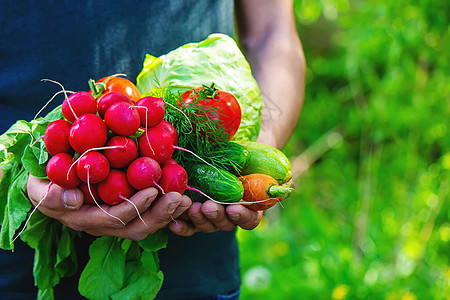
[268,37]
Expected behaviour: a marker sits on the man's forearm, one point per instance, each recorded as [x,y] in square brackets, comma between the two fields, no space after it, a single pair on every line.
[269,40]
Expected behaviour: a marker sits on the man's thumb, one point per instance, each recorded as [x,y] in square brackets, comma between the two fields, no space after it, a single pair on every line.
[72,199]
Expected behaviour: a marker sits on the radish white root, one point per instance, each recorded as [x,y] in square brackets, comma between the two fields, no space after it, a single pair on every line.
[32,212]
[96,203]
[135,207]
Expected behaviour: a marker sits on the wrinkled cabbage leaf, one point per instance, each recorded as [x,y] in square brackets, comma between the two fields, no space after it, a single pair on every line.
[217,59]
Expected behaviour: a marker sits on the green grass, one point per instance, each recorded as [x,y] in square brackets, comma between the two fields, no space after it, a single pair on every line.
[371,160]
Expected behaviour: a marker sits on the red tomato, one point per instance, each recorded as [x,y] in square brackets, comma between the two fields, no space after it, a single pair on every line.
[228,108]
[118,84]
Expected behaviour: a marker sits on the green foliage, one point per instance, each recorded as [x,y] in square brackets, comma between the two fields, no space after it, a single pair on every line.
[371,160]
[117,268]
[105,275]
[120,269]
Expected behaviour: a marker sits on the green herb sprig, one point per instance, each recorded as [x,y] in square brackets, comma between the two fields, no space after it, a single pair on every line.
[197,130]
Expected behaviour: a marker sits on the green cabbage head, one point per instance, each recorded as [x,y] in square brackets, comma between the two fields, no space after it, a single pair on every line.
[217,59]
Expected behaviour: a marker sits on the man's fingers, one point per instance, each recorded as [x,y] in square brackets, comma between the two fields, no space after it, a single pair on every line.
[183,228]
[199,219]
[53,197]
[186,202]
[119,220]
[106,216]
[162,211]
[184,216]
[244,217]
[128,210]
[216,214]
[158,216]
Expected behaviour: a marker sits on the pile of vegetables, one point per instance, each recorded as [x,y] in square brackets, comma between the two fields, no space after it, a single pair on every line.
[116,139]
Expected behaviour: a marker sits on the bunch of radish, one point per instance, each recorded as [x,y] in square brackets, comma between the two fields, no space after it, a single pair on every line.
[113,145]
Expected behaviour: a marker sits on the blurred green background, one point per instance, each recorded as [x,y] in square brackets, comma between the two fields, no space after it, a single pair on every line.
[370,157]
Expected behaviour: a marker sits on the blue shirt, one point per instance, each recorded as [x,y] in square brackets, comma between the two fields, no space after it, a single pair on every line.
[71,42]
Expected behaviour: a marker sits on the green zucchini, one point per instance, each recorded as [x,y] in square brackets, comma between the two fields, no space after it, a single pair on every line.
[217,183]
[267,160]
[231,156]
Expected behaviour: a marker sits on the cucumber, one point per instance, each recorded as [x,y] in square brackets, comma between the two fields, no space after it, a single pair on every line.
[217,183]
[267,160]
[232,157]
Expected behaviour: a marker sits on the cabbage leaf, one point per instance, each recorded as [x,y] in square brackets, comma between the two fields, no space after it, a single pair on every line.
[217,59]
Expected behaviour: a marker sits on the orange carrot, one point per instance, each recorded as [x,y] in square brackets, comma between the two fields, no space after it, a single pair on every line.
[260,187]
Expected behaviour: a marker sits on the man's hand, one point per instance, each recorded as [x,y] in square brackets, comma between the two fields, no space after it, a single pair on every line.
[211,217]
[271,46]
[66,205]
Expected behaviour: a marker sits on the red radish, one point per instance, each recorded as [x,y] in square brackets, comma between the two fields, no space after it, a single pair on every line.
[89,131]
[87,195]
[151,111]
[122,118]
[81,103]
[92,164]
[56,137]
[144,172]
[114,188]
[157,144]
[170,161]
[170,129]
[58,171]
[124,154]
[173,179]
[105,101]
